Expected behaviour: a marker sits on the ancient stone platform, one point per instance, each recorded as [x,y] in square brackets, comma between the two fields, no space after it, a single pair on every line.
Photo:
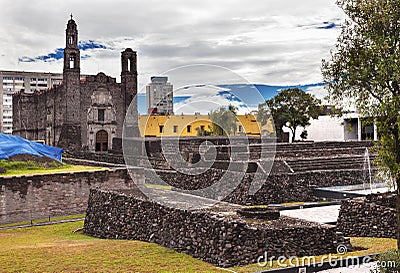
[216,234]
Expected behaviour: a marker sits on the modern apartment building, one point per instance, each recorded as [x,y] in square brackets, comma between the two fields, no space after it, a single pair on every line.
[159,96]
[16,81]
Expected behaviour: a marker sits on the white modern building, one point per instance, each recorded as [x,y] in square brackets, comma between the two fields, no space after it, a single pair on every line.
[159,96]
[350,127]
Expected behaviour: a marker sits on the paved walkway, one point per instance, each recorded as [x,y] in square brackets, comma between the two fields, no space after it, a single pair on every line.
[325,214]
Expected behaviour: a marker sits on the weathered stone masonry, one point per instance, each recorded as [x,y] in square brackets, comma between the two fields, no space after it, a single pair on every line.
[219,238]
[372,216]
[26,197]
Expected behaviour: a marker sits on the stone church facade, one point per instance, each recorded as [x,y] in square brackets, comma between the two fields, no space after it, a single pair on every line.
[81,113]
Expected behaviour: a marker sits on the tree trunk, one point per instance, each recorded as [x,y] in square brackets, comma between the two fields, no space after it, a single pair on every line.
[397,177]
[294,135]
[398,212]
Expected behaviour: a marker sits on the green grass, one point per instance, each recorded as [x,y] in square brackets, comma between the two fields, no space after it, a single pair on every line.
[52,219]
[55,248]
[366,246]
[31,168]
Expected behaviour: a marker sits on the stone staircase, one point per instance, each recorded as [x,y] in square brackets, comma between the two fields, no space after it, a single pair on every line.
[353,162]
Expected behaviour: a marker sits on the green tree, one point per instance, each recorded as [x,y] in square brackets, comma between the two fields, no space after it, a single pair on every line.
[224,121]
[364,70]
[203,132]
[290,108]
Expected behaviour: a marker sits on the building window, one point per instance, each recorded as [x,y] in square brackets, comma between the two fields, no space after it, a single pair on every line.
[240,128]
[100,114]
[175,128]
[161,127]
[188,128]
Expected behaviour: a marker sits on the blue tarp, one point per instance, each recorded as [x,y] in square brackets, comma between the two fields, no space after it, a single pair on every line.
[15,145]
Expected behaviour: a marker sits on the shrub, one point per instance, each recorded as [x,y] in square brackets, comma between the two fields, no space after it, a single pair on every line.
[388,262]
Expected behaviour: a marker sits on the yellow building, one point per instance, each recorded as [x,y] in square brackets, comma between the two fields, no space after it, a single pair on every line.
[157,126]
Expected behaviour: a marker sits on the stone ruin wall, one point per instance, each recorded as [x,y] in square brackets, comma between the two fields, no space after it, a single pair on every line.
[280,186]
[371,216]
[221,240]
[23,198]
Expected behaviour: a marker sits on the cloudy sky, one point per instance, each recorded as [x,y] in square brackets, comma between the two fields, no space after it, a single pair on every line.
[273,42]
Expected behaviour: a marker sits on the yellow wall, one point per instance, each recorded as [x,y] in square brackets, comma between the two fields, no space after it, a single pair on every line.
[150,125]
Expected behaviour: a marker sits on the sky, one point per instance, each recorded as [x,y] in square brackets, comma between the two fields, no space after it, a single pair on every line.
[270,42]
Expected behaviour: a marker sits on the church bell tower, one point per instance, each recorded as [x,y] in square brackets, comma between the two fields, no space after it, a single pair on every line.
[70,100]
[71,74]
[129,91]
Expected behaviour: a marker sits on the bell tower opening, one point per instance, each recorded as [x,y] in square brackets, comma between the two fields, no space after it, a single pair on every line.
[72,61]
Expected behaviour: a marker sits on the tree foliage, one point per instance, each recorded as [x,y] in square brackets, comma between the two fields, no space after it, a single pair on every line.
[292,108]
[224,121]
[365,70]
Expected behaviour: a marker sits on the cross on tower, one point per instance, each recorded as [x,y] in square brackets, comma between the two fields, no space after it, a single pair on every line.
[71,15]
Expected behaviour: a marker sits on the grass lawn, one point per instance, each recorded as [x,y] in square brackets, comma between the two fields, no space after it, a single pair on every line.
[55,248]
[369,246]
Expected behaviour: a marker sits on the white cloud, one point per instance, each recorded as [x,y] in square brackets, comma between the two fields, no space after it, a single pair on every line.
[275,42]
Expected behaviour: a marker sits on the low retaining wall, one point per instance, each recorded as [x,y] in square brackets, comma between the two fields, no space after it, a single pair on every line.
[373,216]
[30,197]
[276,188]
[223,239]
[292,187]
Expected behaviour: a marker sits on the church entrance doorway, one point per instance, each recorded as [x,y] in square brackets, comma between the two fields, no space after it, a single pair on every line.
[101,141]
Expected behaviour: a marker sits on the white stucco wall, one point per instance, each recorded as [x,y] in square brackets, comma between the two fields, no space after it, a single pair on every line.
[325,128]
